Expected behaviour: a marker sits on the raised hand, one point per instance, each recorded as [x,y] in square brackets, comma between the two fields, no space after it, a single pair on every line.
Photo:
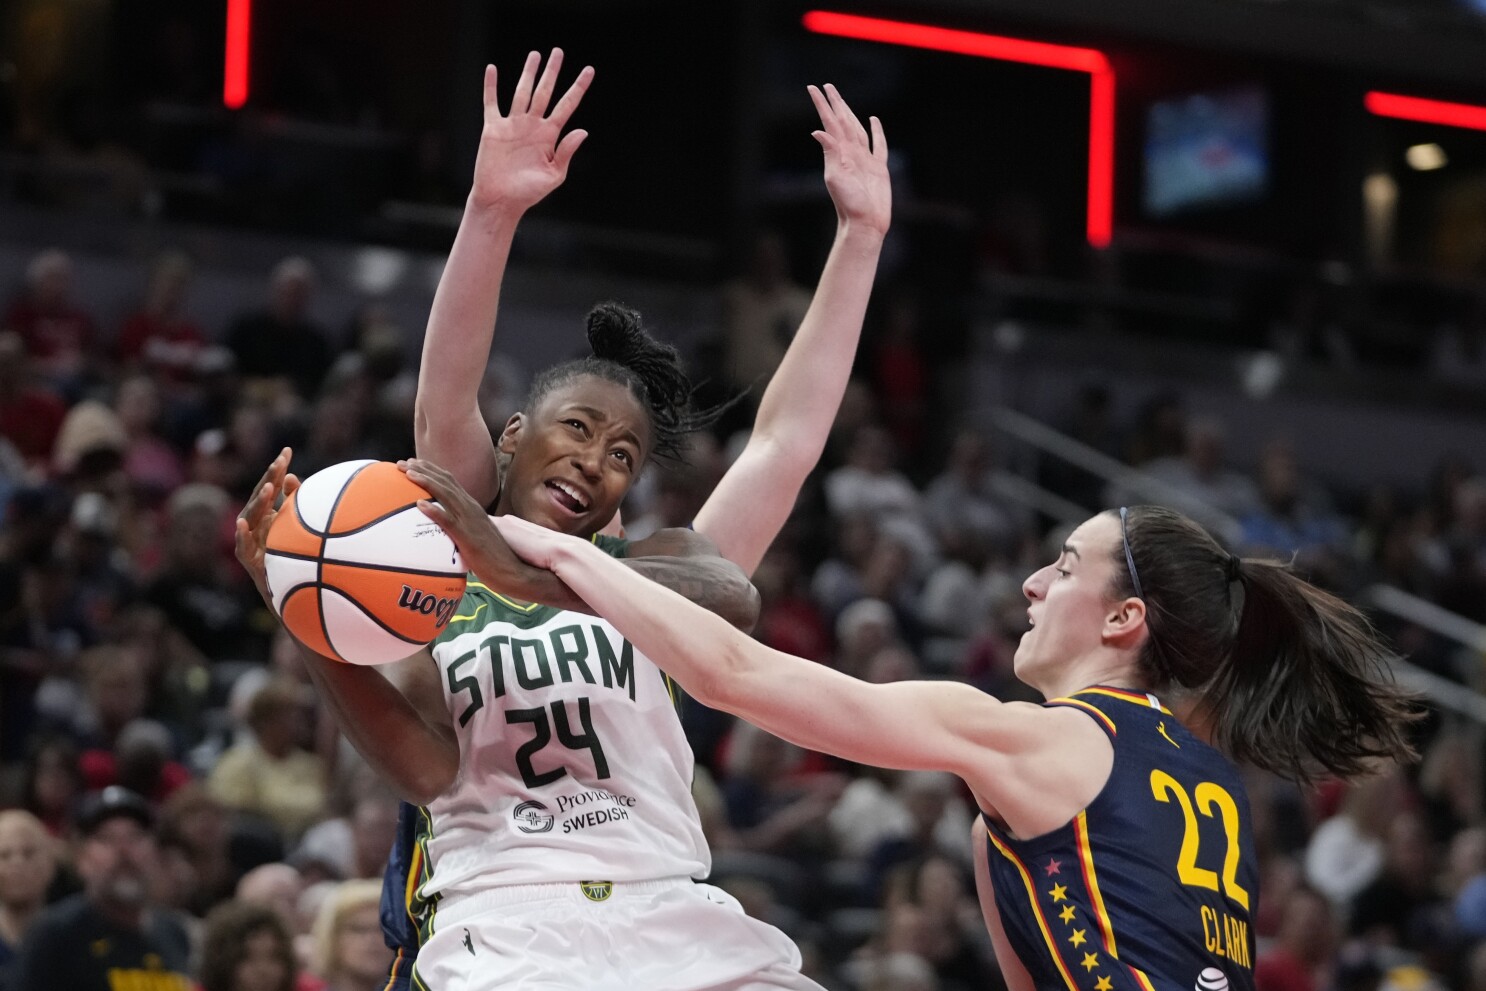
[257,517]
[523,154]
[856,165]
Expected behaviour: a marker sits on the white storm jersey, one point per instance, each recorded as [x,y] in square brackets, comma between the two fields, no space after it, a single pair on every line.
[573,764]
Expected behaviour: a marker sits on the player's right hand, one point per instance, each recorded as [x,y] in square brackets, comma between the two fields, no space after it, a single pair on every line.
[257,517]
[856,163]
[523,154]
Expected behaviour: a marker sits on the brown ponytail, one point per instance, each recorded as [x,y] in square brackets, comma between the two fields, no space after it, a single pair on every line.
[1295,680]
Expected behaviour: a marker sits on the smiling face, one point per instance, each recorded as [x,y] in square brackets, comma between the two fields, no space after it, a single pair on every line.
[1074,621]
[574,455]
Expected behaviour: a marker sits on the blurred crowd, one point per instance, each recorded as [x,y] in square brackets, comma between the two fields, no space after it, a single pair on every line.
[161,747]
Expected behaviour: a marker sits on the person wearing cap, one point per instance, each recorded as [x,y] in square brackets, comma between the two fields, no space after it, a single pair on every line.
[109,936]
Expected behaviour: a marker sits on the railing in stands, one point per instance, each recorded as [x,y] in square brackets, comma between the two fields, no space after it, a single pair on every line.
[1447,695]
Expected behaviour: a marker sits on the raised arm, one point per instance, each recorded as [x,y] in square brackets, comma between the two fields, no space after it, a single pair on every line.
[750,504]
[523,156]
[401,728]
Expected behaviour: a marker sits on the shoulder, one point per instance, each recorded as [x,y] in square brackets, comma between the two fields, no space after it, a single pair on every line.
[60,921]
[674,542]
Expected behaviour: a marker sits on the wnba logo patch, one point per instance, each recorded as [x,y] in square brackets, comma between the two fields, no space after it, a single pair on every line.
[418,601]
[597,891]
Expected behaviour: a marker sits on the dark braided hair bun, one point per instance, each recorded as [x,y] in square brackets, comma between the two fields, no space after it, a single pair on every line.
[626,354]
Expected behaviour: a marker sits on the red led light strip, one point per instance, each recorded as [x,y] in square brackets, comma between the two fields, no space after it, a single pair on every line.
[1426,111]
[1100,223]
[235,63]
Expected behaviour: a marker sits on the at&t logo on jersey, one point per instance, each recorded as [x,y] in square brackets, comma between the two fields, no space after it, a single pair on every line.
[416,600]
[532,817]
[1211,979]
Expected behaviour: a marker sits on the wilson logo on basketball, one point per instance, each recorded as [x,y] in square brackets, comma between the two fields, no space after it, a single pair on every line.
[416,600]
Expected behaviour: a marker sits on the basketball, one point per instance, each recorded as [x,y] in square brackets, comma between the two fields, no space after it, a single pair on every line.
[356,571]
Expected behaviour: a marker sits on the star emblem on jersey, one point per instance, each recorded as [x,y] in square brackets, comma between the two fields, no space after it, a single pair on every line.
[532,817]
[1059,893]
[1078,937]
[1053,867]
[1105,984]
[1068,913]
[1091,960]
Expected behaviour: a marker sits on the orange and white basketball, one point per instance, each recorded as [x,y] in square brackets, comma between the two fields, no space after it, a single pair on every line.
[356,572]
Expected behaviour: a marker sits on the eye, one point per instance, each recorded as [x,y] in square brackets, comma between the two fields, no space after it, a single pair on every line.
[577,425]
[1063,572]
[627,459]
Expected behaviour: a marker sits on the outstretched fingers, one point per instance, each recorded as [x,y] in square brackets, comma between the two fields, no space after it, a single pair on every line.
[845,113]
[823,108]
[879,139]
[521,99]
[547,83]
[570,99]
[491,96]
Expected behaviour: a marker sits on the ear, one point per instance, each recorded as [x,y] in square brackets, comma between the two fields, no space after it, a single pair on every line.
[1124,623]
[511,434]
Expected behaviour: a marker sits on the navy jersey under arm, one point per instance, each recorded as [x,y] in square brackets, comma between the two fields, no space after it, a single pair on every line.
[405,914]
[1152,887]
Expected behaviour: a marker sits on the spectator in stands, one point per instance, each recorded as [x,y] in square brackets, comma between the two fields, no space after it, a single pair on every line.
[1292,516]
[31,413]
[141,760]
[960,501]
[1301,958]
[771,806]
[349,952]
[761,310]
[52,783]
[351,846]
[246,948]
[114,694]
[195,823]
[90,446]
[277,887]
[282,341]
[900,375]
[27,866]
[195,589]
[150,463]
[1394,909]
[129,941]
[59,335]
[1197,481]
[272,775]
[1346,851]
[159,338]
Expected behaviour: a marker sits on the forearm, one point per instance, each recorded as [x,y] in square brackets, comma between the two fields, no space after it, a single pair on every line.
[456,347]
[715,584]
[418,760]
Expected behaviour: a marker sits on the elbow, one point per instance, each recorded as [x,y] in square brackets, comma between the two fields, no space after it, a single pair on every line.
[745,612]
[426,783]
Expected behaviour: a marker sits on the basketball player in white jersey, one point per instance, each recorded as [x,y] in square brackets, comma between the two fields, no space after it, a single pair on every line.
[574,768]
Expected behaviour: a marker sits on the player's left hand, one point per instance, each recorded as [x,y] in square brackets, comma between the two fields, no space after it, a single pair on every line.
[485,551]
[856,164]
[257,517]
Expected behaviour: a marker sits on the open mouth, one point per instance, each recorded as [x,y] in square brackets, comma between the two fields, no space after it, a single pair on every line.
[568,497]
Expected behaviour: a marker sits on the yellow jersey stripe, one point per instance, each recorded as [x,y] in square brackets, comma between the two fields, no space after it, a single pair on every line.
[1091,881]
[1036,909]
[473,615]
[392,974]
[1093,709]
[415,867]
[1116,693]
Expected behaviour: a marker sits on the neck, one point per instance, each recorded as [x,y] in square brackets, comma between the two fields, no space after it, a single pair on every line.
[128,915]
[1113,670]
[15,919]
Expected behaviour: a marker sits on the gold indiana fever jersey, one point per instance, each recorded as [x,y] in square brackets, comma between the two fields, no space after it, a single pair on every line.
[1154,885]
[573,764]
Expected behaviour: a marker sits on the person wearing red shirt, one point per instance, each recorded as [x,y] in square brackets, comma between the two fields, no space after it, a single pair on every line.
[59,335]
[30,416]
